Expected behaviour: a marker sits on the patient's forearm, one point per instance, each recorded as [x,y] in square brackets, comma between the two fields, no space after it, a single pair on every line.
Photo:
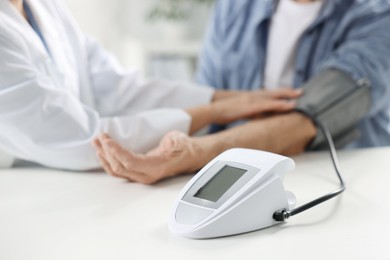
[201,117]
[285,134]
[178,153]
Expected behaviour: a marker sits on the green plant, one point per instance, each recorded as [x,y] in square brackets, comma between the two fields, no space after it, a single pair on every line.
[174,10]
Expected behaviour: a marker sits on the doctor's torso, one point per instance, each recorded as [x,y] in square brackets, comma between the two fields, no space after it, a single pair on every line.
[65,66]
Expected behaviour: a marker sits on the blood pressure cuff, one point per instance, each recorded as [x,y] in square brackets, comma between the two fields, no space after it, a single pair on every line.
[338,102]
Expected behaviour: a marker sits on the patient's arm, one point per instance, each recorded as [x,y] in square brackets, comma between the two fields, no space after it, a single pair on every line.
[177,153]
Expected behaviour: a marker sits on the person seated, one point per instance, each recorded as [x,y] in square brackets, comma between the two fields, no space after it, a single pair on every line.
[295,40]
[59,89]
[252,45]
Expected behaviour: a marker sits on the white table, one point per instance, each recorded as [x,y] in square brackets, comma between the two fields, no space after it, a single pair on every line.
[49,214]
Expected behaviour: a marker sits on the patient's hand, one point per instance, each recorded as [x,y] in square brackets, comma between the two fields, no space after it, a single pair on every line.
[176,154]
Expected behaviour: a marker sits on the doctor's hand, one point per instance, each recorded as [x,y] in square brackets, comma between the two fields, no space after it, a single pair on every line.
[176,154]
[282,92]
[243,105]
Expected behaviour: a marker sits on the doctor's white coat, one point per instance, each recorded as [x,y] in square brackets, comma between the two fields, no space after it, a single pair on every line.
[52,107]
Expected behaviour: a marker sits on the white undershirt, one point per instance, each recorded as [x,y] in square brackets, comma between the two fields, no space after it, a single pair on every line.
[288,24]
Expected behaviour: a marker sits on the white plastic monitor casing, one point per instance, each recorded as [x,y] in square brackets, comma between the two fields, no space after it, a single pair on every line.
[248,205]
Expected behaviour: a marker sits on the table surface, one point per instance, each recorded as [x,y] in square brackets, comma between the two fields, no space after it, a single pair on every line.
[50,214]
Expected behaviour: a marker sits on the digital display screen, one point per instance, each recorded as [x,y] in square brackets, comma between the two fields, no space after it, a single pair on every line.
[215,188]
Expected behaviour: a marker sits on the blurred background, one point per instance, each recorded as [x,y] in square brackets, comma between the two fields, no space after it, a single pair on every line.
[161,38]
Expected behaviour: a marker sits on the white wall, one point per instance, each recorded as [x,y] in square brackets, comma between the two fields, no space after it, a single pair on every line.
[121,26]
[98,18]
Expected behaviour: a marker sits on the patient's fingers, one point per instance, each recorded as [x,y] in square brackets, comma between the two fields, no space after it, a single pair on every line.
[125,175]
[106,166]
[118,162]
[148,169]
[102,158]
[119,153]
[137,167]
[141,177]
[136,162]
[98,146]
[142,171]
[115,164]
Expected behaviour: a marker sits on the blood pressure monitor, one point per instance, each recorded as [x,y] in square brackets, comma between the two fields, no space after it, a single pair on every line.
[237,192]
[241,190]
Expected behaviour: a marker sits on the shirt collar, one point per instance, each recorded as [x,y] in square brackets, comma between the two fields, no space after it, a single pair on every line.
[268,7]
[327,9]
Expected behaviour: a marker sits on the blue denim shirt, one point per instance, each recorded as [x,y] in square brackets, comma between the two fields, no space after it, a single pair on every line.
[349,35]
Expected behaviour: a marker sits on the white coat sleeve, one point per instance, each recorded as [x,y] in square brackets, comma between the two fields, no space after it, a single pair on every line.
[131,94]
[43,123]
